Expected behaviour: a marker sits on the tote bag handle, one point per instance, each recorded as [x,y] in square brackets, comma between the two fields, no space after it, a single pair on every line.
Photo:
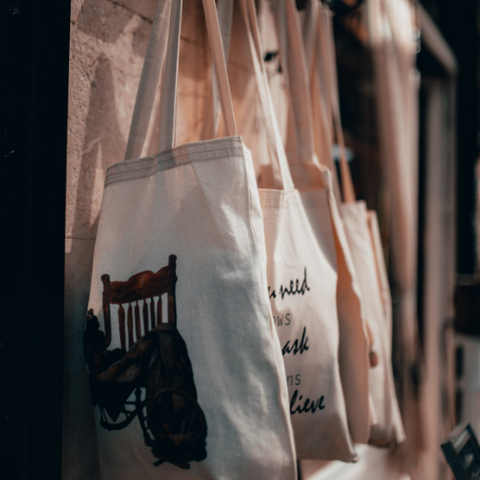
[169,84]
[281,173]
[212,111]
[295,70]
[163,51]
[152,67]
[278,160]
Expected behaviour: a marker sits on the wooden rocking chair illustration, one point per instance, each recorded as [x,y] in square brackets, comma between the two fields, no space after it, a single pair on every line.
[141,286]
[152,355]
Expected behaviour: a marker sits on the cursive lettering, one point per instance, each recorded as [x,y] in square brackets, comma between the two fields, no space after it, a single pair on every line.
[317,404]
[294,288]
[296,348]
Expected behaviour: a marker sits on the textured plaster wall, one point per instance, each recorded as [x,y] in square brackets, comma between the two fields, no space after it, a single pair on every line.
[107,47]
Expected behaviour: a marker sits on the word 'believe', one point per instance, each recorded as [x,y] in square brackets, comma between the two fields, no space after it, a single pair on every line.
[317,404]
[293,289]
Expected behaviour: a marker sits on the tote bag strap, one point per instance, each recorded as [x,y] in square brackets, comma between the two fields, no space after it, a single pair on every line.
[295,69]
[169,84]
[326,29]
[212,109]
[278,160]
[162,53]
[147,87]
[309,31]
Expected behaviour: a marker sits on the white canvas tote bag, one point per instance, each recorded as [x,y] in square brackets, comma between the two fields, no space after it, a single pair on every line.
[301,271]
[185,366]
[388,429]
[312,179]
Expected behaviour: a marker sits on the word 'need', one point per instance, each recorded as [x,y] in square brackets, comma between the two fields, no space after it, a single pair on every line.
[294,288]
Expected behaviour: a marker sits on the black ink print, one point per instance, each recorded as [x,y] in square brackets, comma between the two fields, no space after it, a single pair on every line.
[281,320]
[296,348]
[294,288]
[297,380]
[315,405]
[155,366]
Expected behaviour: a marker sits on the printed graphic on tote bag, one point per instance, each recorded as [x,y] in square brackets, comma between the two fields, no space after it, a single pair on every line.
[299,345]
[156,367]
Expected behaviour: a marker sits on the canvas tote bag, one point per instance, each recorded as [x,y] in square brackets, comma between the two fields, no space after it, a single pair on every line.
[185,366]
[301,272]
[388,429]
[314,180]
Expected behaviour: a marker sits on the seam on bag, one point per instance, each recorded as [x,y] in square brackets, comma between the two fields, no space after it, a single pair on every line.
[312,198]
[157,163]
[270,198]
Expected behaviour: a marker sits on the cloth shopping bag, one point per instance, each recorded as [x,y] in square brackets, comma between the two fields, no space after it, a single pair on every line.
[185,366]
[311,177]
[302,278]
[388,429]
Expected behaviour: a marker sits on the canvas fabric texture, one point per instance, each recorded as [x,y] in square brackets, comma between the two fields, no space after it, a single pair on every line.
[302,278]
[313,176]
[185,225]
[387,429]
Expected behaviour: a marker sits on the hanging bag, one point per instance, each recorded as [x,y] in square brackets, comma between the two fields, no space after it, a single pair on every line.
[185,368]
[315,181]
[359,226]
[302,278]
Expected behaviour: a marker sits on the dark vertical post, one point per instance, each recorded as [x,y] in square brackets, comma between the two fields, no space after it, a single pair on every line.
[34,48]
[458,23]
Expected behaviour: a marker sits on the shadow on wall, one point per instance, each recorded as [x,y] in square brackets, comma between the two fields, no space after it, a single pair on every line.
[95,15]
[102,145]
[106,20]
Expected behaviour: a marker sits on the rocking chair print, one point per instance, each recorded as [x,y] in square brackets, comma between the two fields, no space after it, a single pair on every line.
[141,286]
[152,362]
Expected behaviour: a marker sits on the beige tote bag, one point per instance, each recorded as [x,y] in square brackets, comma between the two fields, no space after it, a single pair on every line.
[185,366]
[388,430]
[302,278]
[354,345]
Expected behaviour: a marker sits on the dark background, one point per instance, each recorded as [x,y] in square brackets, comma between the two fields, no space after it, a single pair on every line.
[34,49]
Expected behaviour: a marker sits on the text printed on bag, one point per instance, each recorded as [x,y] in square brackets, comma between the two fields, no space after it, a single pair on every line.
[298,403]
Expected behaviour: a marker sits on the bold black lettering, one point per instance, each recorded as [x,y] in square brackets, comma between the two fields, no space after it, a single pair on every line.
[307,406]
[293,288]
[296,348]
[292,402]
[304,284]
